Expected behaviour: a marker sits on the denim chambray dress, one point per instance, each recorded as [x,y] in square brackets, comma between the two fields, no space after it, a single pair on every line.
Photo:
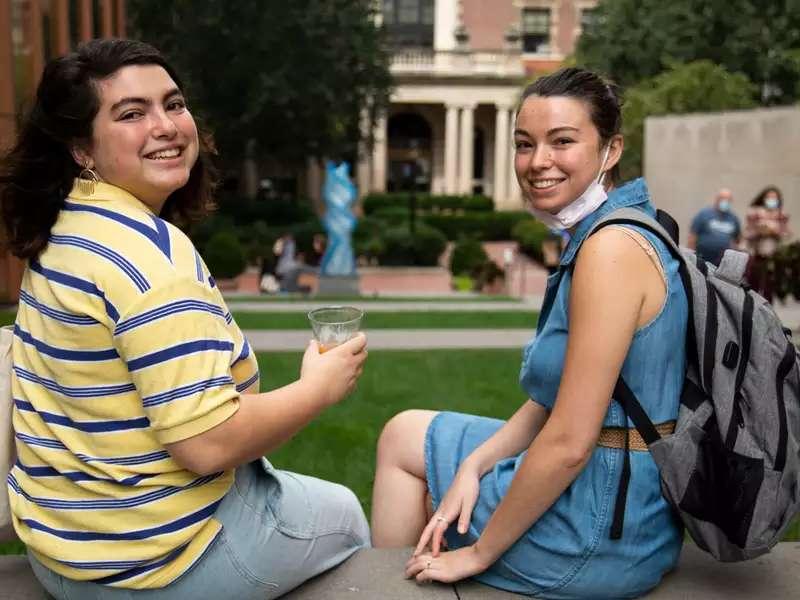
[568,552]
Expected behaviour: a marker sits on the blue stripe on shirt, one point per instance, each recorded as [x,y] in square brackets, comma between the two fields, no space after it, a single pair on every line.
[53,313]
[240,387]
[244,353]
[165,311]
[75,392]
[64,353]
[121,564]
[75,283]
[32,440]
[159,236]
[178,351]
[199,266]
[186,390]
[163,237]
[85,426]
[135,459]
[110,503]
[76,475]
[139,570]
[114,257]
[141,534]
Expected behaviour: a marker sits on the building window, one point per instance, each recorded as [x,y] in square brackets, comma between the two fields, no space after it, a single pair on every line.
[409,22]
[536,30]
[588,18]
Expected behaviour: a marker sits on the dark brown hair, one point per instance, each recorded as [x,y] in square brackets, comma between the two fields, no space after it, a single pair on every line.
[38,172]
[603,98]
[759,199]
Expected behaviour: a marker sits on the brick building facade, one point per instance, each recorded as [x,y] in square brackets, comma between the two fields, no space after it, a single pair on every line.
[459,66]
[32,32]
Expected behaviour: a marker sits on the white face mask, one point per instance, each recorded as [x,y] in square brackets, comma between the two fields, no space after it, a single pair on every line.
[585,204]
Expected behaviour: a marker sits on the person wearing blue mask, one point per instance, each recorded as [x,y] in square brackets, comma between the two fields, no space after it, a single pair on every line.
[766,226]
[534,504]
[715,229]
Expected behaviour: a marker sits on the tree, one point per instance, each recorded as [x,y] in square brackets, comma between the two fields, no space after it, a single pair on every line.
[632,40]
[293,75]
[700,86]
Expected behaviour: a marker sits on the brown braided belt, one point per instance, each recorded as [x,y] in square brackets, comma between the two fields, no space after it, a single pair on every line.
[614,437]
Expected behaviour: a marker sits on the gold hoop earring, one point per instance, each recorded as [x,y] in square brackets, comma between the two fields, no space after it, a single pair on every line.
[87,181]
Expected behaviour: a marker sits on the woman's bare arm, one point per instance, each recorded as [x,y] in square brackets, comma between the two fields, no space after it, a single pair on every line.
[264,422]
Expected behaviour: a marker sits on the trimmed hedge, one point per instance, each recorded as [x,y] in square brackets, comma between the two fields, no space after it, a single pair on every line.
[427,203]
[468,255]
[529,235]
[486,227]
[224,255]
[421,249]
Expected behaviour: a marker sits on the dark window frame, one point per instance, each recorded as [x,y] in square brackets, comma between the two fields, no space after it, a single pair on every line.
[536,39]
[416,34]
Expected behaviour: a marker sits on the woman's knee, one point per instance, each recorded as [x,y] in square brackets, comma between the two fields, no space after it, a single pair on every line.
[402,430]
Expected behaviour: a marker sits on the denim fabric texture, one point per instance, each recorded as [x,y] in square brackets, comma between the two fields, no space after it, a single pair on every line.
[568,553]
[278,530]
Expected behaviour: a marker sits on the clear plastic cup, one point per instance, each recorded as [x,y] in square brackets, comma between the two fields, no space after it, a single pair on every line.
[334,325]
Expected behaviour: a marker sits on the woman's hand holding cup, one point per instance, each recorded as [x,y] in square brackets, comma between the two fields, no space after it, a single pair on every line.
[335,372]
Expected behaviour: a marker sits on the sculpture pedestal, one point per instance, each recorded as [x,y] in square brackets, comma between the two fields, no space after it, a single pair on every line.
[338,285]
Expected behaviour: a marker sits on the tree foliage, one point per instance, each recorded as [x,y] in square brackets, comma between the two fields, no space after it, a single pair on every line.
[293,75]
[700,86]
[633,40]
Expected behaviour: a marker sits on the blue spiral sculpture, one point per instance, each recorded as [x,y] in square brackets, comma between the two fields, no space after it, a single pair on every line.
[339,194]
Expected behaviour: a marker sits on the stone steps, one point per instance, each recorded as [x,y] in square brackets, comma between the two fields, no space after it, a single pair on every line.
[378,574]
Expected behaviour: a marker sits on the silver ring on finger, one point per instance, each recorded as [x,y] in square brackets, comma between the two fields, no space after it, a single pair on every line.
[428,564]
[441,520]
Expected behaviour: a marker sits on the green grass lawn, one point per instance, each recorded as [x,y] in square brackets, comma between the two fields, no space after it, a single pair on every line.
[340,444]
[343,299]
[523,319]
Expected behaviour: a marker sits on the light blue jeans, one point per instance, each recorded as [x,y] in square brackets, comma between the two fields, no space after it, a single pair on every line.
[279,529]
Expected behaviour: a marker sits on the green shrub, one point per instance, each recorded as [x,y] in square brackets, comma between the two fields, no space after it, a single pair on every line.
[275,211]
[530,234]
[427,203]
[367,238]
[489,226]
[422,249]
[468,254]
[224,255]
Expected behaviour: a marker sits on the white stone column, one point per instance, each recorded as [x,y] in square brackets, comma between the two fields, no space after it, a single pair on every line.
[451,149]
[379,155]
[445,19]
[466,149]
[513,193]
[501,152]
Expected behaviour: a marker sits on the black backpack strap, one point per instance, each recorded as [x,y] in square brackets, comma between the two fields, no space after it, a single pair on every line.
[633,410]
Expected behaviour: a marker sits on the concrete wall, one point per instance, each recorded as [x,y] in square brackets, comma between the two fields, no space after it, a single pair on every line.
[687,158]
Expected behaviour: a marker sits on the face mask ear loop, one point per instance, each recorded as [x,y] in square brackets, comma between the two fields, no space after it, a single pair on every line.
[602,173]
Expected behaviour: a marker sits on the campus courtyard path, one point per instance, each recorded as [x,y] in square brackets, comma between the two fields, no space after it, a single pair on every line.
[418,339]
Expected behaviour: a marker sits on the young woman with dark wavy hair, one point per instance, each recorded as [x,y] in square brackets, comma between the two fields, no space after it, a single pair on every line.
[139,426]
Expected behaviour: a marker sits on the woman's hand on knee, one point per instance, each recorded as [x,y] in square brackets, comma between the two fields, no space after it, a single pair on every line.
[457,505]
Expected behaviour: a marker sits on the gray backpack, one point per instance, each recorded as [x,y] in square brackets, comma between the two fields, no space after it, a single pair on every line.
[731,468]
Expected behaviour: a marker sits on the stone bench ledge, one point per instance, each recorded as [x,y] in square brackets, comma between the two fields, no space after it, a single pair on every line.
[377,574]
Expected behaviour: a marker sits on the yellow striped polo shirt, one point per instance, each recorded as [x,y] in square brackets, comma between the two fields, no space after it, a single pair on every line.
[123,344]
